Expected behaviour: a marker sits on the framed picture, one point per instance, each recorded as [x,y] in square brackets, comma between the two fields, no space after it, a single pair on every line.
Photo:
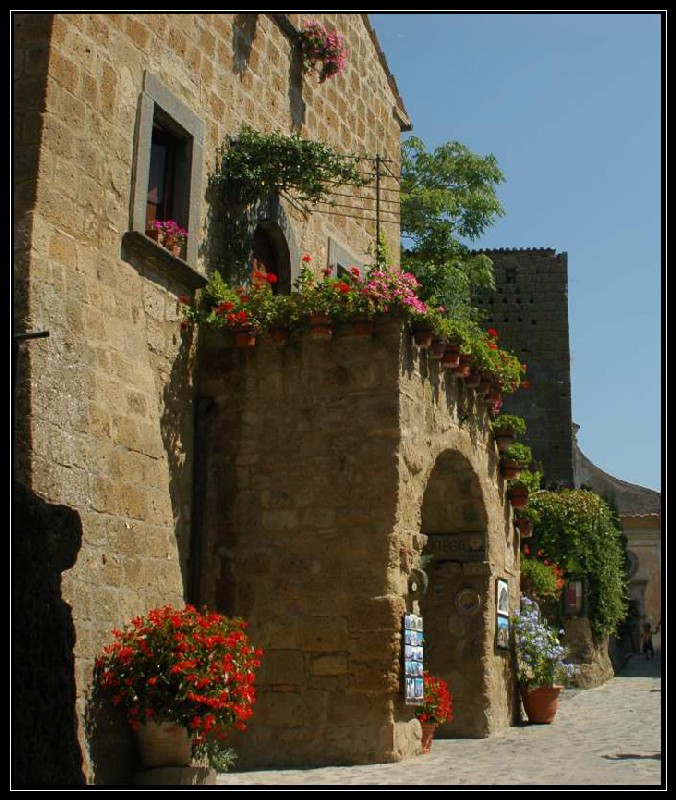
[502,597]
[502,633]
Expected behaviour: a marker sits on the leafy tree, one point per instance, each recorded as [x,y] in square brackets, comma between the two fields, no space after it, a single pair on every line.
[446,197]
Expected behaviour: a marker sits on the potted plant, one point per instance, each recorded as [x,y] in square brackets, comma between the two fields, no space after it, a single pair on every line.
[169,234]
[182,677]
[541,670]
[436,709]
[362,306]
[506,427]
[519,490]
[321,47]
[515,457]
[244,310]
[322,300]
[525,521]
[283,313]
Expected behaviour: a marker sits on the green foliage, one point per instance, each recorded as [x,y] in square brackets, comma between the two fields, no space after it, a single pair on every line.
[213,753]
[447,196]
[509,423]
[381,253]
[579,531]
[539,579]
[253,165]
[520,453]
[529,479]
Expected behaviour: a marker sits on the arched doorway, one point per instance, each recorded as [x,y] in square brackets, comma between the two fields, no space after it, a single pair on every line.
[459,602]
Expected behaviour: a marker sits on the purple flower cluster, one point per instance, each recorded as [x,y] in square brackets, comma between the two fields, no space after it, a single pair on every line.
[320,46]
[539,652]
[390,287]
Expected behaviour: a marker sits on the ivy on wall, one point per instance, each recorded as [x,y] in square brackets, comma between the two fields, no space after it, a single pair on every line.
[580,532]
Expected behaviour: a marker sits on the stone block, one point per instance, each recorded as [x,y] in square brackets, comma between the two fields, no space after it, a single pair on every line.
[377,613]
[329,664]
[317,634]
[282,667]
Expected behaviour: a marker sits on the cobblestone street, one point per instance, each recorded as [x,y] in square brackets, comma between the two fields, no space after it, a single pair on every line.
[608,736]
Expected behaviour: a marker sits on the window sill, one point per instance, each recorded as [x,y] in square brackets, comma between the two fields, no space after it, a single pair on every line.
[141,246]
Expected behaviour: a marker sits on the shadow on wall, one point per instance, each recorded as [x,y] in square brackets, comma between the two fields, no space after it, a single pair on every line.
[243,35]
[177,430]
[112,749]
[45,541]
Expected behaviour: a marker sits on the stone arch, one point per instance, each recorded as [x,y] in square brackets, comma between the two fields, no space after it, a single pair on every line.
[270,254]
[274,224]
[458,607]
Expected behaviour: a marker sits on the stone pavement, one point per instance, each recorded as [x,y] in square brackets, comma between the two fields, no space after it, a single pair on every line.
[608,736]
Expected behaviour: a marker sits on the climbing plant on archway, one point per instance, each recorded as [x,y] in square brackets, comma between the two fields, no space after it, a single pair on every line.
[579,531]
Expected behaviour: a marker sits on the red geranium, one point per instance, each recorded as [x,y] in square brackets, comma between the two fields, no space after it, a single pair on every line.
[438,705]
[193,668]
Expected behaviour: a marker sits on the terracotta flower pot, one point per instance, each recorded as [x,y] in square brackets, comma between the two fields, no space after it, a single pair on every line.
[451,357]
[504,439]
[177,250]
[155,235]
[321,326]
[437,348]
[280,335]
[164,745]
[428,729]
[245,337]
[518,496]
[525,527]
[422,336]
[363,327]
[473,380]
[464,367]
[510,469]
[541,703]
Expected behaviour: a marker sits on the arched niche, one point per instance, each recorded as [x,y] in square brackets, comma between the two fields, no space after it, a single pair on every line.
[459,597]
[274,244]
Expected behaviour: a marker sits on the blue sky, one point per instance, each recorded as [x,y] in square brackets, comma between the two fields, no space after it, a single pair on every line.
[570,105]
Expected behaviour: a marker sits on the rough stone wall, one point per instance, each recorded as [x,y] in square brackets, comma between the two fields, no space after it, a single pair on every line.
[104,405]
[439,415]
[529,309]
[644,543]
[317,461]
[588,652]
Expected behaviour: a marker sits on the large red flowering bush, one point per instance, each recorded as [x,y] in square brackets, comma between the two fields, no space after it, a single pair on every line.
[194,668]
[438,705]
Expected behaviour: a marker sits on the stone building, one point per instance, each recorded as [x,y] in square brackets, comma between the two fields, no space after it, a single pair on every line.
[529,309]
[298,488]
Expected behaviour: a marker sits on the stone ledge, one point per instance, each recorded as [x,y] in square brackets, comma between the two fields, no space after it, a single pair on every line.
[176,269]
[176,776]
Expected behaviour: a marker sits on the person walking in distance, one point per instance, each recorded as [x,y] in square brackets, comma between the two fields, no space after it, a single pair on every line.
[647,639]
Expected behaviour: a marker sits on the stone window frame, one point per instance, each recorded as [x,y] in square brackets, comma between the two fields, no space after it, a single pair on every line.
[158,101]
[339,260]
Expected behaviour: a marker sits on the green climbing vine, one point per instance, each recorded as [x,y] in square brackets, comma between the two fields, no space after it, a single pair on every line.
[579,531]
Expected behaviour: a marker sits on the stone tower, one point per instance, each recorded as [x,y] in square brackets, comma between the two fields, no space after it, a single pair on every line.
[529,309]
